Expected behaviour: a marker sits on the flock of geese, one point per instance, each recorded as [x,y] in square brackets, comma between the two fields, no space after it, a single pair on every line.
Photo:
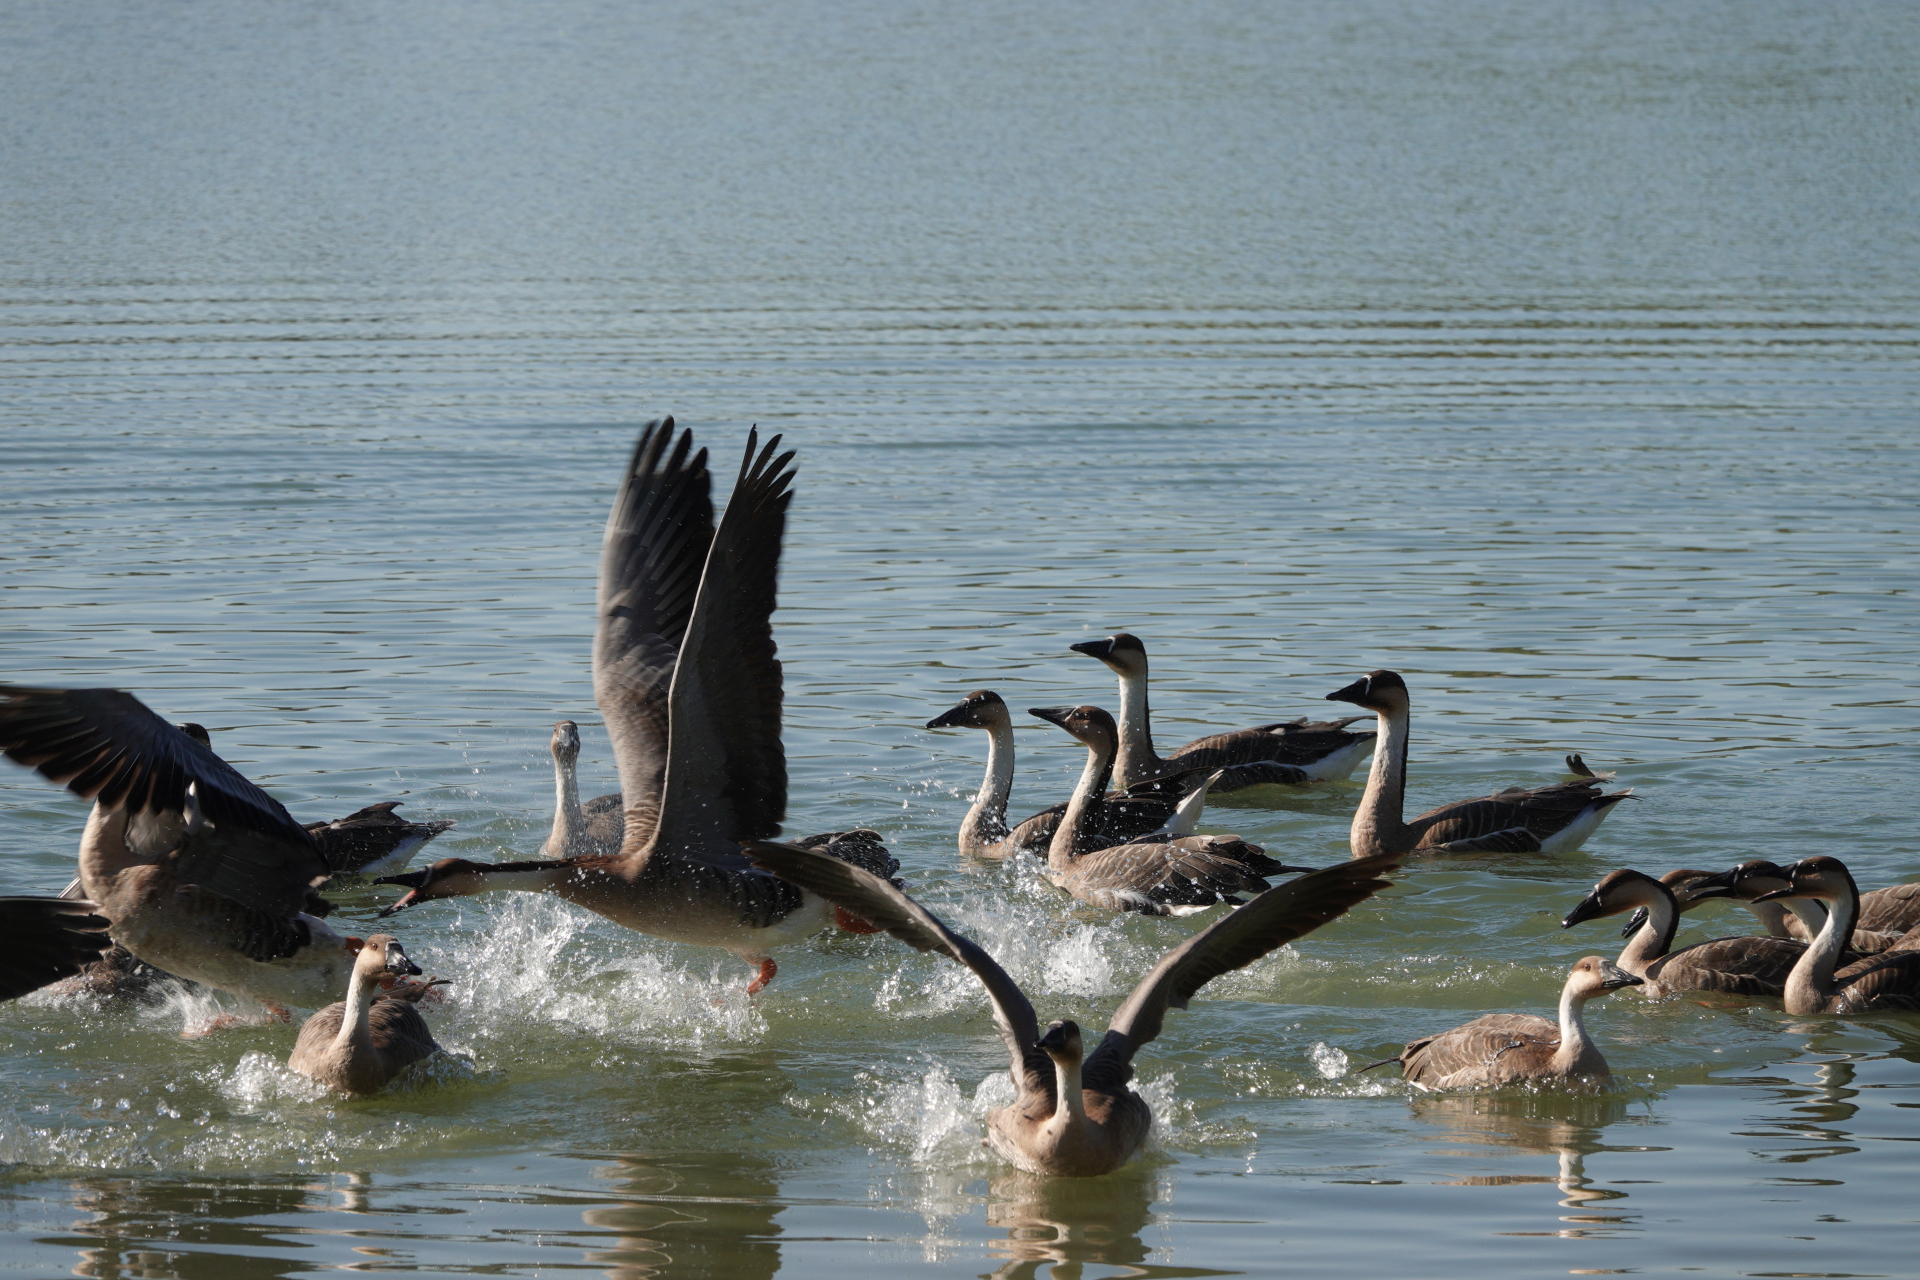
[188,869]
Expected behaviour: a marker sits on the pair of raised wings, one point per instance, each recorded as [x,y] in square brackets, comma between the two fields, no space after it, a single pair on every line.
[1272,920]
[684,665]
[109,747]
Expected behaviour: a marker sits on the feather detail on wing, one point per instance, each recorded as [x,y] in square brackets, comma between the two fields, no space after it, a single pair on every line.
[656,543]
[1275,918]
[1890,980]
[45,940]
[1540,813]
[726,778]
[1291,742]
[878,902]
[1475,1047]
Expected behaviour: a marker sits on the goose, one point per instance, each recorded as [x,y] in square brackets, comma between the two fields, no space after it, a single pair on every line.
[984,832]
[1506,1048]
[1797,919]
[1741,965]
[47,939]
[1890,980]
[1551,819]
[1074,1114]
[1285,753]
[358,1044]
[687,682]
[579,830]
[1158,874]
[1886,915]
[231,904]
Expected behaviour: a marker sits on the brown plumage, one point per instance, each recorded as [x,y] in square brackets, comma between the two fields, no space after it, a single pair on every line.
[1075,1116]
[1158,874]
[1118,817]
[1285,753]
[686,677]
[1740,965]
[359,1044]
[45,940]
[374,840]
[1820,983]
[1506,1048]
[1551,819]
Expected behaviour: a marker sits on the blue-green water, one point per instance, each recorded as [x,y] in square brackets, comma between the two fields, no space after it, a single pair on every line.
[1558,357]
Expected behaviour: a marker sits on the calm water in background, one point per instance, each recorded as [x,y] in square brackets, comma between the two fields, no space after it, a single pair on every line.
[1558,356]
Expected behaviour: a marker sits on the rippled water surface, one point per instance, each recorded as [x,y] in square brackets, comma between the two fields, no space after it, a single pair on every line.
[1560,357]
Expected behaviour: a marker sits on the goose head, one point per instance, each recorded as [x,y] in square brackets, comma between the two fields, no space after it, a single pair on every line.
[1120,651]
[1061,1042]
[1379,691]
[981,709]
[1089,724]
[1595,976]
[447,878]
[1617,891]
[381,957]
[1819,877]
[566,742]
[1688,887]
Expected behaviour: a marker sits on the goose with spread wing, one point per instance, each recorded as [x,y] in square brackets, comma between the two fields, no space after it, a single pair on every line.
[1285,753]
[1075,1115]
[688,684]
[203,874]
[1119,816]
[1551,819]
[1157,874]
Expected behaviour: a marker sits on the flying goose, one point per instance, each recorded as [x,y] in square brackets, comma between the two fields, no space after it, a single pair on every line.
[1285,753]
[1075,1116]
[595,827]
[358,1044]
[1740,965]
[47,939]
[1158,874]
[231,902]
[1552,819]
[687,682]
[1889,980]
[1506,1048]
[1119,816]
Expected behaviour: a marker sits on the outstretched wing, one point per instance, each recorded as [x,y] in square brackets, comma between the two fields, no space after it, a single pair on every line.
[657,539]
[108,747]
[43,940]
[885,907]
[726,779]
[1272,920]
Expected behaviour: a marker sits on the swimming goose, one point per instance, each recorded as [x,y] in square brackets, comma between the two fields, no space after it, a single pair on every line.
[373,841]
[595,827]
[1285,753]
[1886,915]
[1506,1048]
[1119,816]
[1889,980]
[1158,874]
[1798,919]
[1075,1115]
[1552,819]
[1740,965]
[687,682]
[358,1044]
[231,904]
[47,939]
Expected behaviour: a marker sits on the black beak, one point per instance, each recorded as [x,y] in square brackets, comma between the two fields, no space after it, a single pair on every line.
[397,962]
[1634,921]
[414,880]
[1101,649]
[1052,715]
[1355,693]
[949,719]
[1616,977]
[1590,907]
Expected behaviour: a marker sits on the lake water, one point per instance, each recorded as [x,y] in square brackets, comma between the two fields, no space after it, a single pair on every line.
[1559,356]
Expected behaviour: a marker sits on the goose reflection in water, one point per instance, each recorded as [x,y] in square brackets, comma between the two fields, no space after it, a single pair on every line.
[1565,1127]
[1062,1224]
[688,1215]
[165,1227]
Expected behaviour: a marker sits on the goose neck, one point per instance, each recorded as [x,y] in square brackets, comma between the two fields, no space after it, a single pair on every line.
[1377,824]
[1067,844]
[1810,985]
[355,1031]
[1137,760]
[1654,938]
[1575,1045]
[986,822]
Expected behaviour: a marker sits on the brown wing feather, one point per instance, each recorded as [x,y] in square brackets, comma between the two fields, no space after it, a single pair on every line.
[727,770]
[1743,965]
[657,539]
[1294,742]
[47,939]
[1152,878]
[1890,980]
[884,906]
[1894,909]
[1539,812]
[1275,918]
[1480,1043]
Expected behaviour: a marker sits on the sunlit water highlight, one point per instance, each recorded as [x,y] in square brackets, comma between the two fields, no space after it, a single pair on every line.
[1560,358]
